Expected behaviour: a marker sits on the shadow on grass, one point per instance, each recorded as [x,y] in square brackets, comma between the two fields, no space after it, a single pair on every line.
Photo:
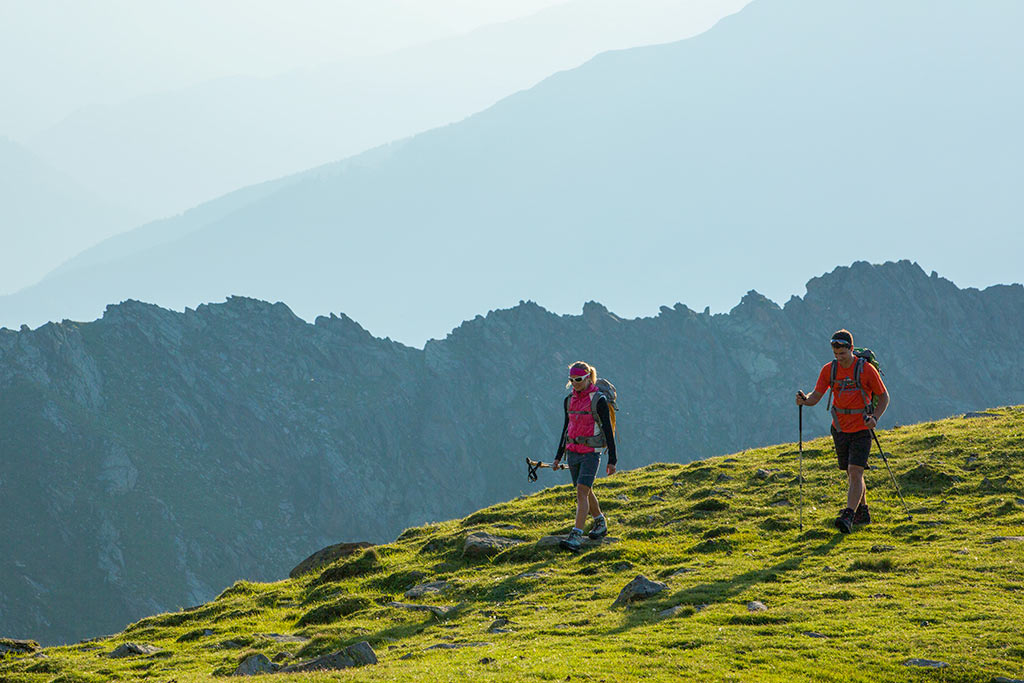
[724,589]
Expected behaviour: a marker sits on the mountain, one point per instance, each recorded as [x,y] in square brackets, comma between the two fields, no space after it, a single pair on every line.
[152,457]
[169,151]
[745,578]
[791,133]
[45,217]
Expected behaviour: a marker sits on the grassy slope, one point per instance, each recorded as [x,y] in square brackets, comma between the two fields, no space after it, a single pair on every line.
[936,587]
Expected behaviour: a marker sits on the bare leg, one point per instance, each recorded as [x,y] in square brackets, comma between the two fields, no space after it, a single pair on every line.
[583,494]
[595,509]
[858,489]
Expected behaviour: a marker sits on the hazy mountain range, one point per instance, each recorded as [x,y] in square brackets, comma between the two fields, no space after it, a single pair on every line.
[151,458]
[790,133]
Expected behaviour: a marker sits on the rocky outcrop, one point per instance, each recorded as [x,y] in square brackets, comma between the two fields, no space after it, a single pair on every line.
[326,556]
[163,455]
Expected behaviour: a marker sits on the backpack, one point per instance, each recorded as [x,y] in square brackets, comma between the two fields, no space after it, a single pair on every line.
[863,356]
[607,390]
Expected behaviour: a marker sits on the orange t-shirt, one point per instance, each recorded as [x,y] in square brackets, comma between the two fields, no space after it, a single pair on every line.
[851,399]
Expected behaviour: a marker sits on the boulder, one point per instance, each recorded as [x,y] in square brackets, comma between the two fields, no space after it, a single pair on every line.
[284,638]
[326,556]
[132,650]
[639,588]
[253,665]
[427,589]
[756,606]
[927,663]
[481,544]
[359,654]
[18,647]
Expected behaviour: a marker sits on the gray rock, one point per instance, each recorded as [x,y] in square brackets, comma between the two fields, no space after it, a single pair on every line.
[882,548]
[254,665]
[928,663]
[814,634]
[18,647]
[974,416]
[1019,501]
[325,556]
[360,654]
[639,588]
[1004,679]
[530,575]
[1007,539]
[623,497]
[427,589]
[756,606]
[480,544]
[132,650]
[439,611]
[456,646]
[194,635]
[675,611]
[722,478]
[499,625]
[656,498]
[682,571]
[762,474]
[622,566]
[781,502]
[284,638]
[506,527]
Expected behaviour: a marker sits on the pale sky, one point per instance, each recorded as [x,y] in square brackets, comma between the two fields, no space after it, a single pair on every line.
[58,55]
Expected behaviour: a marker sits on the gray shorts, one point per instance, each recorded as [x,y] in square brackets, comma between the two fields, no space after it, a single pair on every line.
[583,467]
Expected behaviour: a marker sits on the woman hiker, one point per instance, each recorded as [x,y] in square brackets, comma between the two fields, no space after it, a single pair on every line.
[586,431]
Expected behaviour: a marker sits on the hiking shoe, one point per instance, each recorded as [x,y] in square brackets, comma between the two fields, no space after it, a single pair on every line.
[862,516]
[599,529]
[844,522]
[573,541]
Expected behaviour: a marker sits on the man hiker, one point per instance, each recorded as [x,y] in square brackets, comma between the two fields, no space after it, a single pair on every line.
[587,429]
[855,384]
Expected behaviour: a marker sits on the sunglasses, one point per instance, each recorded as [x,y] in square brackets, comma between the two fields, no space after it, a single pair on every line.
[578,379]
[840,345]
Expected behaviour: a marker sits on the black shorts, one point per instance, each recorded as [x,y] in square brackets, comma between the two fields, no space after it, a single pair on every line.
[852,447]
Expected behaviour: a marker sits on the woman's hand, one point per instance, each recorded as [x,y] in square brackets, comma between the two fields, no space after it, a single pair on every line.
[610,470]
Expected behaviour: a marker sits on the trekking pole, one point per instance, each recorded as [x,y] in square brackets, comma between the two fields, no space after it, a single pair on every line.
[801,468]
[892,476]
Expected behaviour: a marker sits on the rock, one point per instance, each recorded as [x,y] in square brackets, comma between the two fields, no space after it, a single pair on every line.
[506,527]
[1007,539]
[456,646]
[682,571]
[194,635]
[639,588]
[256,664]
[676,611]
[656,498]
[722,478]
[1004,679]
[360,654]
[480,544]
[622,566]
[133,649]
[881,596]
[762,474]
[974,416]
[284,638]
[439,611]
[623,497]
[756,606]
[928,663]
[18,647]
[486,660]
[882,548]
[498,626]
[325,556]
[782,502]
[814,634]
[530,575]
[962,551]
[427,589]
[1019,501]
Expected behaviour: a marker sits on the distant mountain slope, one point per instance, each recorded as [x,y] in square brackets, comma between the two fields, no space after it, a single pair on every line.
[791,133]
[150,458]
[742,591]
[170,151]
[45,217]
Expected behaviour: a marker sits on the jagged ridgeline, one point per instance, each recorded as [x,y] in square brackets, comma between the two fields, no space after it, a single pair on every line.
[731,587]
[151,458]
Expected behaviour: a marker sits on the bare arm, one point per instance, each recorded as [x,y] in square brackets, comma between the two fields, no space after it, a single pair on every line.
[811,399]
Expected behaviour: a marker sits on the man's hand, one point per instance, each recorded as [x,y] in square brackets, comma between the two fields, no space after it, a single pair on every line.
[871,421]
[801,398]
[557,464]
[610,470]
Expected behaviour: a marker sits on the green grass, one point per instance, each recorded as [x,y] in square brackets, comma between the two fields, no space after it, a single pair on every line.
[934,587]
